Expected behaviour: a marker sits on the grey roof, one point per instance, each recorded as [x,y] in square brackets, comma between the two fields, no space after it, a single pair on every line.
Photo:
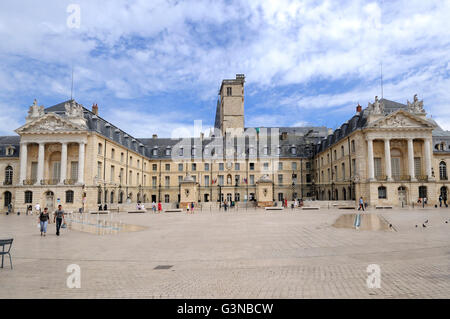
[9,141]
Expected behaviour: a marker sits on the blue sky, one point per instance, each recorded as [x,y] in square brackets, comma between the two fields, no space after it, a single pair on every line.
[156,66]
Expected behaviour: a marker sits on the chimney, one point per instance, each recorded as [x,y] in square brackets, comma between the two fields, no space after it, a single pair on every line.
[358,108]
[95,109]
[155,136]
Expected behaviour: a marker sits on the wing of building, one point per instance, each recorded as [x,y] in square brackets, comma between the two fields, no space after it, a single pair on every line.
[389,153]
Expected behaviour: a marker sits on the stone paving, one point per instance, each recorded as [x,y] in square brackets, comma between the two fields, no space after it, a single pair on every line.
[245,254]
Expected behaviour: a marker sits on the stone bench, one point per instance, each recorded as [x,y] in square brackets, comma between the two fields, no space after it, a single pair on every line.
[273,208]
[173,210]
[311,208]
[346,207]
[101,212]
[383,207]
[139,211]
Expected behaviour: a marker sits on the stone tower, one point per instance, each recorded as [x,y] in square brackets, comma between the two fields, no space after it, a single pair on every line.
[230,106]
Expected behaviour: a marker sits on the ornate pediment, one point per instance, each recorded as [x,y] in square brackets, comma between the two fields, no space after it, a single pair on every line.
[49,123]
[402,119]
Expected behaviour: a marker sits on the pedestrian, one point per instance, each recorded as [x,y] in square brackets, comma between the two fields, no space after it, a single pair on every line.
[225,205]
[29,210]
[192,207]
[9,209]
[37,208]
[154,207]
[105,207]
[361,204]
[285,202]
[159,207]
[43,221]
[58,218]
[187,208]
[440,200]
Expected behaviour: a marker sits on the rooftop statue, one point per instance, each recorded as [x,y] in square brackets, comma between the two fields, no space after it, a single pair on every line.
[35,111]
[416,106]
[377,107]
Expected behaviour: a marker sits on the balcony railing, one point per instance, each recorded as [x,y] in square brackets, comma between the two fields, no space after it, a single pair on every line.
[29,181]
[422,178]
[70,181]
[7,182]
[401,178]
[49,181]
[381,178]
[443,178]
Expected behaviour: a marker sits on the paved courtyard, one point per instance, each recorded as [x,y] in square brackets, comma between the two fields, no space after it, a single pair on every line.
[245,254]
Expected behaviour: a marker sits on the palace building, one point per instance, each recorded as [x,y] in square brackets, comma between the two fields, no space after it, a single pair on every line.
[389,153]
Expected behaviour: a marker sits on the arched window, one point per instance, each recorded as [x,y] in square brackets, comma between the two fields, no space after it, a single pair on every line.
[28,197]
[106,197]
[7,198]
[69,196]
[422,191]
[336,195]
[344,193]
[382,194]
[8,175]
[112,197]
[120,198]
[443,170]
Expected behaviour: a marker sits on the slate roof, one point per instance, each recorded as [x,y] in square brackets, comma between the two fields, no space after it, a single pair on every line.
[8,141]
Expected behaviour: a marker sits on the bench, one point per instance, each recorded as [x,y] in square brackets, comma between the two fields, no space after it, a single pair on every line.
[173,210]
[3,252]
[383,207]
[311,208]
[139,211]
[273,208]
[102,212]
[346,207]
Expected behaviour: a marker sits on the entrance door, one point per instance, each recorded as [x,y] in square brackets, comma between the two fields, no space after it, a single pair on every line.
[154,198]
[402,195]
[8,197]
[444,193]
[49,199]
[229,197]
[206,198]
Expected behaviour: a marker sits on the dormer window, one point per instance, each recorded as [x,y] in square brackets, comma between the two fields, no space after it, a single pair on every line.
[229,91]
[293,150]
[155,151]
[9,151]
[265,150]
[180,152]
[168,151]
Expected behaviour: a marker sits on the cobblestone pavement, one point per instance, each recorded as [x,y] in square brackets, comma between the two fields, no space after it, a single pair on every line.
[245,254]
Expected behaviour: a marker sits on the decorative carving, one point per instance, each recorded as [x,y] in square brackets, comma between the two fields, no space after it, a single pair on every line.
[377,107]
[75,113]
[35,111]
[416,106]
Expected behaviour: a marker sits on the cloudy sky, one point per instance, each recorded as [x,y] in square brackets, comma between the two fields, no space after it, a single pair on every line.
[156,66]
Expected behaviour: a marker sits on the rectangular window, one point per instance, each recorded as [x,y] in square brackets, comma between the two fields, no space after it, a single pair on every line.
[220,166]
[34,170]
[180,167]
[229,91]
[73,170]
[194,167]
[112,153]
[154,167]
[252,179]
[167,167]
[130,180]
[167,181]
[353,166]
[112,173]
[206,180]
[206,166]
[121,176]
[237,166]
[280,179]
[395,166]
[57,170]
[99,170]
[377,166]
[99,148]
[252,166]
[280,166]
[220,179]
[69,197]
[180,178]
[308,178]
[294,165]
[166,198]
[154,181]
[353,146]
[417,167]
[121,157]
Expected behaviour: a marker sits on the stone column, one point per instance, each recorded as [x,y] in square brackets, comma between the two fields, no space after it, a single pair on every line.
[40,168]
[81,163]
[62,175]
[387,158]
[411,159]
[427,146]
[370,159]
[23,162]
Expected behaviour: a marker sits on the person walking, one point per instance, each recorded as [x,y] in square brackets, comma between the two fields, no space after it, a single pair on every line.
[159,207]
[9,209]
[43,221]
[187,208]
[192,207]
[440,200]
[154,207]
[58,218]
[361,204]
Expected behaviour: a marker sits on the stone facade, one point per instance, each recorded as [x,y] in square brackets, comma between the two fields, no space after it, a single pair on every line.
[389,153]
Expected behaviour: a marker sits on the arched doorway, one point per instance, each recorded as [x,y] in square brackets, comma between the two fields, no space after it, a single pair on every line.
[7,198]
[49,200]
[344,193]
[336,195]
[444,193]
[402,196]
